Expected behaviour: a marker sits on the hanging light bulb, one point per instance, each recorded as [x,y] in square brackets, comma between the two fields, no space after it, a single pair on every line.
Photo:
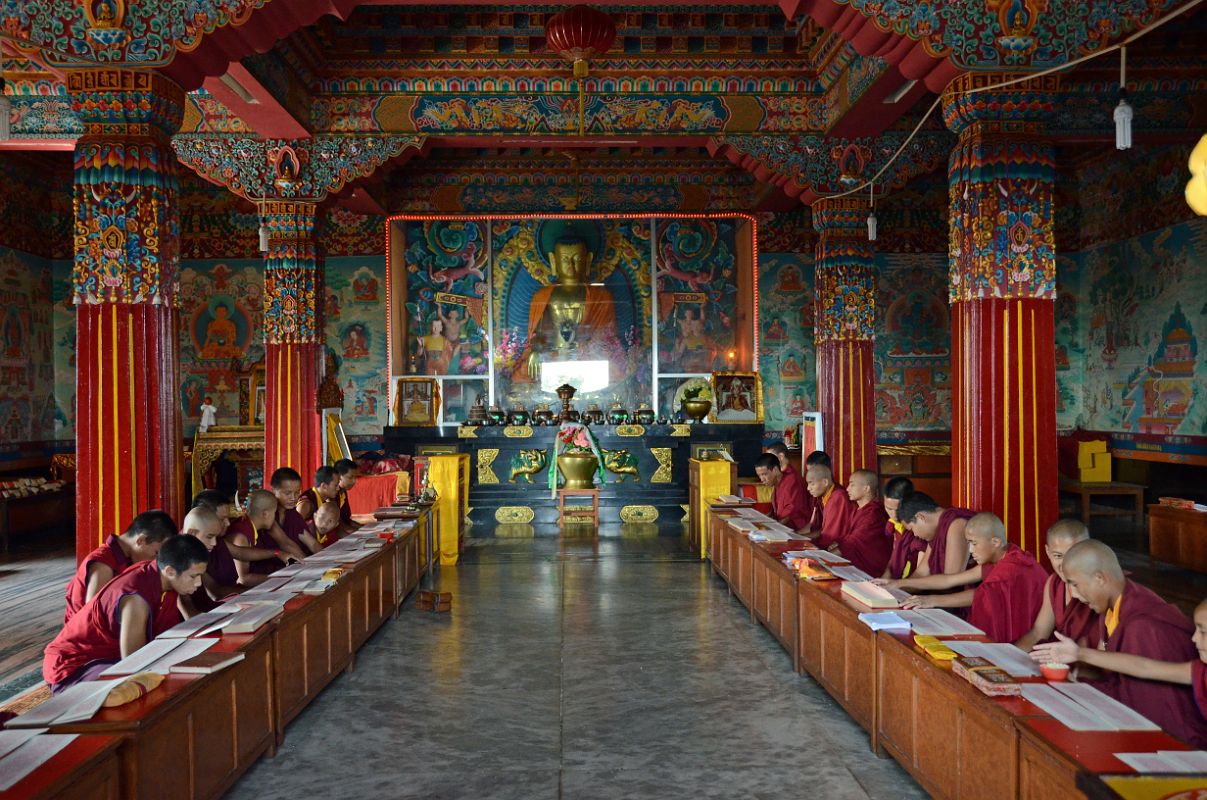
[6,108]
[872,213]
[263,232]
[1123,111]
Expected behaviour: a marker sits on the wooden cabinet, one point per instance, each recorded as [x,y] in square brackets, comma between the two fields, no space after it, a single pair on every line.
[774,594]
[87,769]
[836,649]
[1178,536]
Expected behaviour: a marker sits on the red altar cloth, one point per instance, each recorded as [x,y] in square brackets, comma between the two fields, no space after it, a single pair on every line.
[372,492]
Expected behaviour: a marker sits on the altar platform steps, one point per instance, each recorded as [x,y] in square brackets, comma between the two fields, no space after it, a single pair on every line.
[620,505]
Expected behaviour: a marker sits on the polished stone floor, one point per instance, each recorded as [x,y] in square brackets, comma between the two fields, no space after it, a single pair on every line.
[593,668]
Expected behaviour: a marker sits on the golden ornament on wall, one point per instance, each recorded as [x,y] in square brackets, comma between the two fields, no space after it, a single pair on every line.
[638,514]
[486,457]
[663,473]
[506,515]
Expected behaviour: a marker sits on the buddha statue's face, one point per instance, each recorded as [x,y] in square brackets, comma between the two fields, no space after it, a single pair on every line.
[571,262]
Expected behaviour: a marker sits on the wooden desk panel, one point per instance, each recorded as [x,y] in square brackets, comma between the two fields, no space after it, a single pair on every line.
[1178,536]
[774,594]
[955,741]
[837,649]
[87,769]
[1051,755]
[302,651]
[741,576]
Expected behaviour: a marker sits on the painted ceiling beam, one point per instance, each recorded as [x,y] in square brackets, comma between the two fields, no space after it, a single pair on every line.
[251,102]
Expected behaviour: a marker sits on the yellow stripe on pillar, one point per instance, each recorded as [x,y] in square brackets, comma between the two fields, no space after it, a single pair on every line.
[1034,439]
[1017,432]
[134,467]
[113,410]
[1006,368]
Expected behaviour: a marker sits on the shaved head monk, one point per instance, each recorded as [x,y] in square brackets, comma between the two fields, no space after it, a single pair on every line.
[129,612]
[139,542]
[288,533]
[907,548]
[230,550]
[788,503]
[326,487]
[347,472]
[1188,673]
[244,532]
[943,531]
[812,509]
[1135,621]
[836,507]
[865,542]
[1061,613]
[1011,581]
[217,502]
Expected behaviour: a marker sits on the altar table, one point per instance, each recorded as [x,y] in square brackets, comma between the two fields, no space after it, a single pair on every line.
[372,492]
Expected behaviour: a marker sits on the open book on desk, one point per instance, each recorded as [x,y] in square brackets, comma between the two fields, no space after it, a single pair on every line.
[874,596]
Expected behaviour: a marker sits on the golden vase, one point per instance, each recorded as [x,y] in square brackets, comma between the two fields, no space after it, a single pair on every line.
[578,470]
[697,410]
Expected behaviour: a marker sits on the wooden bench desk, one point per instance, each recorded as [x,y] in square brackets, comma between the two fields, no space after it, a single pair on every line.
[838,650]
[954,740]
[1087,491]
[773,592]
[86,769]
[196,734]
[1178,536]
[1051,756]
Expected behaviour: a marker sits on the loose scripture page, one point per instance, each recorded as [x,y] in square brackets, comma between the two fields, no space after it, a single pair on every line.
[75,703]
[190,648]
[11,740]
[850,573]
[742,524]
[1110,709]
[824,556]
[29,756]
[198,623]
[143,657]
[1070,714]
[937,622]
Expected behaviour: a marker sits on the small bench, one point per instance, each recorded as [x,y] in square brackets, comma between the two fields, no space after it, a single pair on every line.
[577,509]
[1086,491]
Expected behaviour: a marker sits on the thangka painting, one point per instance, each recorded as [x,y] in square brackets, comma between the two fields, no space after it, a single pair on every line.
[697,294]
[572,305]
[786,360]
[447,265]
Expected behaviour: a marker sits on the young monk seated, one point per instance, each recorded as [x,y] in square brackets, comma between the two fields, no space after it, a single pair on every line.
[1061,613]
[231,551]
[347,471]
[326,521]
[139,542]
[131,610]
[788,504]
[326,487]
[943,531]
[1192,673]
[907,548]
[865,543]
[288,532]
[812,510]
[1011,583]
[262,508]
[1135,622]
[836,507]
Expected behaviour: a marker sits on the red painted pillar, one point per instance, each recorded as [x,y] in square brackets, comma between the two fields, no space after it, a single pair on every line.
[127,255]
[1002,292]
[293,332]
[846,315]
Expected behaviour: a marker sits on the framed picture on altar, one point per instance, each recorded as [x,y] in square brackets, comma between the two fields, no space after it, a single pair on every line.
[737,397]
[416,402]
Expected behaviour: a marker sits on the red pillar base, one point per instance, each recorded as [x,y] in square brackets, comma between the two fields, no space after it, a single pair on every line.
[292,432]
[1004,414]
[846,383]
[128,457]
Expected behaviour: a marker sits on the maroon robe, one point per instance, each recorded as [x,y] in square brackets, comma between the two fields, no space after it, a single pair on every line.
[938,545]
[294,526]
[111,555]
[1198,685]
[1073,618]
[345,510]
[93,636]
[222,570]
[788,501]
[837,510]
[1009,596]
[315,503]
[866,544]
[1150,627]
[907,549]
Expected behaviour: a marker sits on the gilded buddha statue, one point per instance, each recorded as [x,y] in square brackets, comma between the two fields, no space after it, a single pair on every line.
[570,315]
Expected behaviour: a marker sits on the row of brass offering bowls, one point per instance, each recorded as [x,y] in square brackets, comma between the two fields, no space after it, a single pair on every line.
[594,415]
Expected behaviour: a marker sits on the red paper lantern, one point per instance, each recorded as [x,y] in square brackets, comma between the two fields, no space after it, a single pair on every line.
[579,33]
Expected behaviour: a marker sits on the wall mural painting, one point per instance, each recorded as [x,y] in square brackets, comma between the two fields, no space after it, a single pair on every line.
[221,335]
[572,303]
[697,294]
[1146,306]
[913,343]
[786,352]
[447,263]
[1070,349]
[28,410]
[356,336]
